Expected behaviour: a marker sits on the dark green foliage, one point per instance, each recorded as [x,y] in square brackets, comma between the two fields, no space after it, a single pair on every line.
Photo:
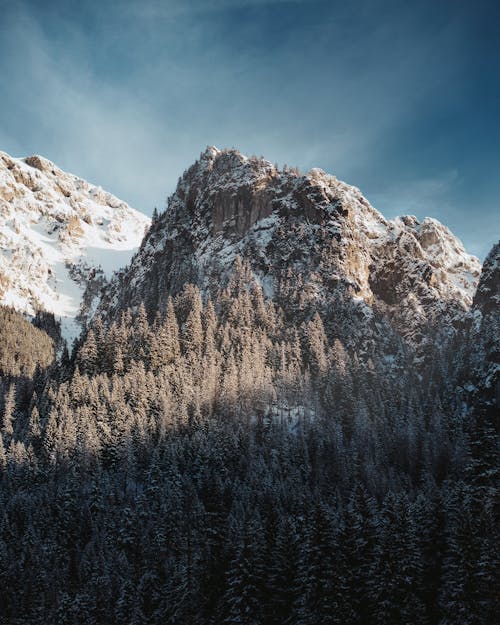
[219,464]
[23,347]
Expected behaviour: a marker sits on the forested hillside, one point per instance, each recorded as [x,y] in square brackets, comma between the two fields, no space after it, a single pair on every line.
[223,462]
[23,347]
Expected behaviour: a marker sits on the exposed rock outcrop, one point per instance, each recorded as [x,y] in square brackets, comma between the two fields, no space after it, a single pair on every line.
[310,240]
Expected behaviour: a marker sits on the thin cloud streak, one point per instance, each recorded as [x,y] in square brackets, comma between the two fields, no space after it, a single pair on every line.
[157,9]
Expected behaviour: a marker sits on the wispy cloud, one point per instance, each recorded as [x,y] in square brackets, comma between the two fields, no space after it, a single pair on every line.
[136,135]
[153,9]
[127,93]
[102,131]
[421,197]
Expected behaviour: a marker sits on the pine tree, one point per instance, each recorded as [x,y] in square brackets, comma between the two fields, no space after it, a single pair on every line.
[317,346]
[244,584]
[8,412]
[192,334]
[3,455]
[170,340]
[34,426]
[283,587]
[50,438]
[357,546]
[88,355]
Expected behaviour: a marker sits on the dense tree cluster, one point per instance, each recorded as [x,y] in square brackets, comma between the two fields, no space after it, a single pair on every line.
[222,464]
[23,347]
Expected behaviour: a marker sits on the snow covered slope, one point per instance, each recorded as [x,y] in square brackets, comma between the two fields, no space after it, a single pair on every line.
[57,233]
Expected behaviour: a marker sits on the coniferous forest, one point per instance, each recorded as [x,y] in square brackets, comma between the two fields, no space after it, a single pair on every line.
[226,462]
[273,398]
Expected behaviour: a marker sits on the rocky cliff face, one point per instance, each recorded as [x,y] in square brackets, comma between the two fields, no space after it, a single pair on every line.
[310,240]
[487,297]
[482,372]
[57,234]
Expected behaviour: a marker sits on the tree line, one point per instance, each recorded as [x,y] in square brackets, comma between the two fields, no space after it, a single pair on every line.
[225,463]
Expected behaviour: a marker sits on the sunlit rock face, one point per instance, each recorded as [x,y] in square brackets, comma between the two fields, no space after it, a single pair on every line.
[311,241]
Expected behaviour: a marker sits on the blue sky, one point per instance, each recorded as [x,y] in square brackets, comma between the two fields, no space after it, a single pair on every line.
[398,98]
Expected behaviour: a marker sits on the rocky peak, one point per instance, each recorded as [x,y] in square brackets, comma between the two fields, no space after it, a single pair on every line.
[226,190]
[307,234]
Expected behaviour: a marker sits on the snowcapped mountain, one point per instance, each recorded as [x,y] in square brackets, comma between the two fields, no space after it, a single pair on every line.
[310,240]
[57,234]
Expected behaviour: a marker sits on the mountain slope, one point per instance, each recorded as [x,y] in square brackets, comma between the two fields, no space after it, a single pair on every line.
[237,460]
[57,232]
[483,366]
[311,241]
[23,347]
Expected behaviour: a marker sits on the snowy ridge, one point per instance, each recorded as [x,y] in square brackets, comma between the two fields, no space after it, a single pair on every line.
[57,232]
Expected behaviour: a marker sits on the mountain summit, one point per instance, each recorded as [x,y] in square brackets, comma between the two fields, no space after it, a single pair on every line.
[57,233]
[310,241]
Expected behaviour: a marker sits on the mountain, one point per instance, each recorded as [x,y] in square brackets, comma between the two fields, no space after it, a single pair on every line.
[482,368]
[57,234]
[282,411]
[312,242]
[487,297]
